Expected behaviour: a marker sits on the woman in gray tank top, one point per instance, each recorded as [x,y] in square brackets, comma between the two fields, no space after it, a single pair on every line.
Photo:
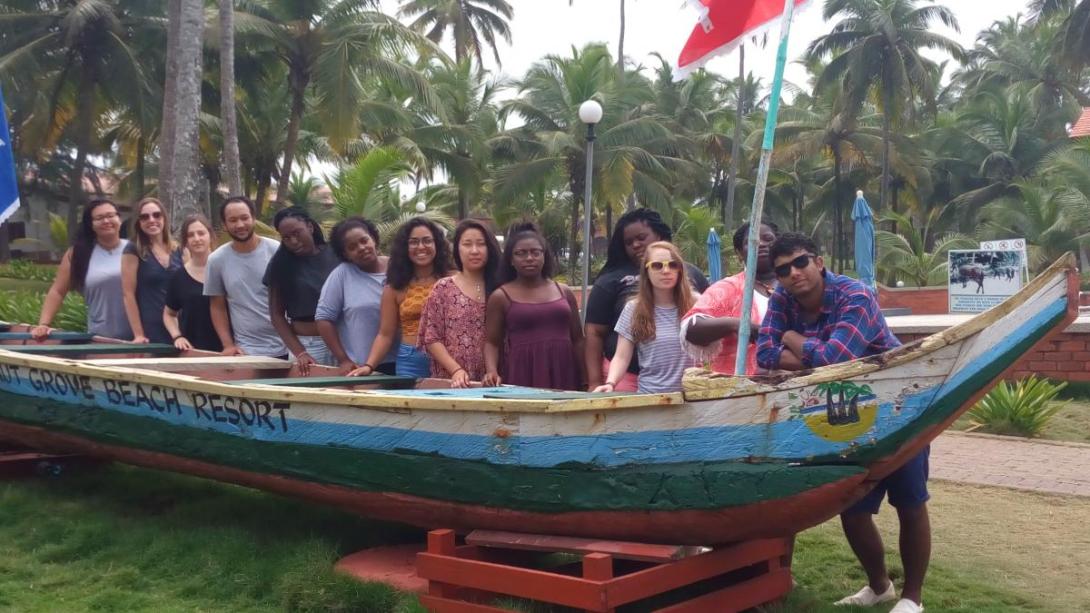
[92,267]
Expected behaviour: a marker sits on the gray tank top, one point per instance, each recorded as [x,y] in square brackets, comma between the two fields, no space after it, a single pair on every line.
[102,292]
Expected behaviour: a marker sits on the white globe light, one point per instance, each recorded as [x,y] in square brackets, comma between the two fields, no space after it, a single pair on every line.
[900,284]
[590,112]
[421,207]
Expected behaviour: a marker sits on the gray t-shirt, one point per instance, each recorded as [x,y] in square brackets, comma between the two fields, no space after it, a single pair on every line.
[662,359]
[237,276]
[352,299]
[102,292]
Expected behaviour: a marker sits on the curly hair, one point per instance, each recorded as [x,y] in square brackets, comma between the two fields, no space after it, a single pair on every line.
[399,270]
[516,233]
[742,233]
[492,264]
[616,256]
[336,236]
[301,214]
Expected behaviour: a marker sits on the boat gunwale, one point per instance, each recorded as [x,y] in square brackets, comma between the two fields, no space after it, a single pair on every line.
[399,403]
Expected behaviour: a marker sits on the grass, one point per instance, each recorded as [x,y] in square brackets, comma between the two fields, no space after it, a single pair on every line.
[1071,424]
[31,285]
[123,538]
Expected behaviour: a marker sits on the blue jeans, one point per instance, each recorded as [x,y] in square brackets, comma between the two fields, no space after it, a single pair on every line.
[412,362]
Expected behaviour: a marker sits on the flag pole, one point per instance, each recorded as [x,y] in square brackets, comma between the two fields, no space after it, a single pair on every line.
[759,192]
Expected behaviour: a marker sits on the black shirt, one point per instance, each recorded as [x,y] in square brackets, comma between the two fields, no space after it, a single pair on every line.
[299,280]
[185,295]
[613,289]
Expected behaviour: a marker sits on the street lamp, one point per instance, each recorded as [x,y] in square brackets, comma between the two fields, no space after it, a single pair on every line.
[590,113]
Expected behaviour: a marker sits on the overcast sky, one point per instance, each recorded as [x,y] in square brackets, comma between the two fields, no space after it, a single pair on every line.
[542,27]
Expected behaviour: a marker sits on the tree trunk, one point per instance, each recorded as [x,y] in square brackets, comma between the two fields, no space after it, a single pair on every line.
[139,171]
[227,98]
[620,45]
[186,176]
[886,104]
[736,146]
[893,206]
[838,191]
[263,181]
[577,183]
[299,80]
[463,204]
[84,127]
[170,88]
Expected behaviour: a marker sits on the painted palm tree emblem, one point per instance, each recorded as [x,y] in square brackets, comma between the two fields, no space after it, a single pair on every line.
[842,401]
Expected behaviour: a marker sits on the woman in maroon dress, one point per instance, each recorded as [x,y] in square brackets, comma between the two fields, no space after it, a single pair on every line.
[534,319]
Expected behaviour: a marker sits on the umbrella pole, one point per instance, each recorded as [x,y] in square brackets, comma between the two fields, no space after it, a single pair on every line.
[759,192]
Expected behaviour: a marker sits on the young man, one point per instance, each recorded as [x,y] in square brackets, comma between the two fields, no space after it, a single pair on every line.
[709,331]
[233,280]
[817,318]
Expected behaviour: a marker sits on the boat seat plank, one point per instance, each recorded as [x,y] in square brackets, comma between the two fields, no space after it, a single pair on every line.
[189,362]
[59,335]
[93,348]
[386,380]
[549,395]
[641,552]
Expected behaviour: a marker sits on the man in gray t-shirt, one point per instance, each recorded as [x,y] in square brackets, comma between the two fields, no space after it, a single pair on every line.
[233,280]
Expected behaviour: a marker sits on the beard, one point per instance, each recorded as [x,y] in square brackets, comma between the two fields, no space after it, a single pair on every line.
[242,239]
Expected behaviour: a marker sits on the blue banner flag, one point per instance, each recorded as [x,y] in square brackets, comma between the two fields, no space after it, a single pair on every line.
[9,189]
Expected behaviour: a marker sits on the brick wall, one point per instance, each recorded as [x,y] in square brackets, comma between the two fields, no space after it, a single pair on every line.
[1065,358]
[921,300]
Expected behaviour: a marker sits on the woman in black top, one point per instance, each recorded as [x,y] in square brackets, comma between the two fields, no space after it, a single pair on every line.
[148,263]
[185,293]
[295,276]
[616,284]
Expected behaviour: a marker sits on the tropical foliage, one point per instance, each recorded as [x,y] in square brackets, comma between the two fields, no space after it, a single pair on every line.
[389,111]
[1023,408]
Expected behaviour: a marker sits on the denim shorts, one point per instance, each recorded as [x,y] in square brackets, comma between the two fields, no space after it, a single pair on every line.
[907,487]
[317,349]
[412,362]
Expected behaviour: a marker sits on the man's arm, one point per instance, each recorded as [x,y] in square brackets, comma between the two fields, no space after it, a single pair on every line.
[860,322]
[770,339]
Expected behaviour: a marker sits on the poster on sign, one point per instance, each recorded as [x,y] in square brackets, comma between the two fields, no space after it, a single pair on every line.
[1010,244]
[982,278]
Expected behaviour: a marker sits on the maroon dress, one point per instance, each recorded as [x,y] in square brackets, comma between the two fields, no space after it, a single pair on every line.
[539,351]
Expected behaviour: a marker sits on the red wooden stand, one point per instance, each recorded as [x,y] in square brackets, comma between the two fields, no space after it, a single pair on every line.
[462,578]
[15,462]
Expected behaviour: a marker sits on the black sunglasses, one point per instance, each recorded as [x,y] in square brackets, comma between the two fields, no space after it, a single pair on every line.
[800,262]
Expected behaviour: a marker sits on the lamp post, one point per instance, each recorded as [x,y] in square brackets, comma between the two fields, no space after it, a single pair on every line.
[590,113]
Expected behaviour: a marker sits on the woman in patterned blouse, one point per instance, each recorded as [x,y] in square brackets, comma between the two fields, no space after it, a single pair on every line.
[452,326]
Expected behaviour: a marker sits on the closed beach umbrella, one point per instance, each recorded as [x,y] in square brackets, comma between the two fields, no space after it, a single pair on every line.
[864,240]
[715,262]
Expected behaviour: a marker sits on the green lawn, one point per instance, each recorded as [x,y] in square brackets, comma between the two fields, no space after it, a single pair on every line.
[32,285]
[127,539]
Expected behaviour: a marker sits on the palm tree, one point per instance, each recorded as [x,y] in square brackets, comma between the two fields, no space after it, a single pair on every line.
[228,114]
[469,21]
[875,49]
[1053,221]
[914,252]
[82,60]
[330,47]
[186,181]
[1074,38]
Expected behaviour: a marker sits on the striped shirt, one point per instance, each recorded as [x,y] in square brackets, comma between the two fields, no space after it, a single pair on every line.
[662,359]
[849,326]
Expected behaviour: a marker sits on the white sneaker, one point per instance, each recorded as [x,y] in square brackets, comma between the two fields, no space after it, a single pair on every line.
[866,597]
[905,605]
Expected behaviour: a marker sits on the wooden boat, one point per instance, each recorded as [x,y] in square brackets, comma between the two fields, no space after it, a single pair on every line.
[729,459]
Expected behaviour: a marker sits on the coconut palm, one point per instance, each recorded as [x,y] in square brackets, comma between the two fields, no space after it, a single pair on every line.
[875,50]
[469,21]
[1053,221]
[914,252]
[1074,38]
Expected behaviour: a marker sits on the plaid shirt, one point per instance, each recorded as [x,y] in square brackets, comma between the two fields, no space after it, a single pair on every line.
[850,325]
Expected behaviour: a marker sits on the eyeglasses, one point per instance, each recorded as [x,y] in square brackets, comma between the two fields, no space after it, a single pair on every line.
[102,218]
[660,265]
[151,215]
[800,262]
[427,241]
[522,254]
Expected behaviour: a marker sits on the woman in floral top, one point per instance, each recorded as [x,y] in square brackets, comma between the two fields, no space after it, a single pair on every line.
[452,325]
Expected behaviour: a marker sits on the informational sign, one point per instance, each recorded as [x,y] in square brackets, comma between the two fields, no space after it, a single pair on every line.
[1010,244]
[982,278]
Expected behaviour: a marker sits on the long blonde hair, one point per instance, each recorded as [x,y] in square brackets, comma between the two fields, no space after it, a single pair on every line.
[643,320]
[142,240]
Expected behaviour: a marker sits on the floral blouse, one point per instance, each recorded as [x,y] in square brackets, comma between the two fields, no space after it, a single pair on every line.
[457,321]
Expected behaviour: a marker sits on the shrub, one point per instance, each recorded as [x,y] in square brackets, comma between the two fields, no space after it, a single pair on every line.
[1020,409]
[27,270]
[24,307]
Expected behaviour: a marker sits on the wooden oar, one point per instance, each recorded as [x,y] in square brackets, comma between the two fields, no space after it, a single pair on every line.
[94,349]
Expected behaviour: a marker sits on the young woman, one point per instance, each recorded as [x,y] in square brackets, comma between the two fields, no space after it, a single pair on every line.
[452,325]
[419,256]
[92,267]
[649,325]
[349,307]
[535,320]
[147,264]
[295,277]
[187,314]
[617,282]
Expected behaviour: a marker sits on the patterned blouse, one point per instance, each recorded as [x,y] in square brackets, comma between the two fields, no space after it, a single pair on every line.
[457,321]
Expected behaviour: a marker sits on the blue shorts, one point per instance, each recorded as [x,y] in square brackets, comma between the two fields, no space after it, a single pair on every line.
[412,362]
[907,487]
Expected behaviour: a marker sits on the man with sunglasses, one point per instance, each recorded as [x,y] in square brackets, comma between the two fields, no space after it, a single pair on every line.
[817,318]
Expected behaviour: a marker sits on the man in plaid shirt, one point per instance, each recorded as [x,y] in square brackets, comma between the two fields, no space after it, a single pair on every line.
[816,318]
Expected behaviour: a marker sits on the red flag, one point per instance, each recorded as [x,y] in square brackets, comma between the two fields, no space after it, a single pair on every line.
[723,24]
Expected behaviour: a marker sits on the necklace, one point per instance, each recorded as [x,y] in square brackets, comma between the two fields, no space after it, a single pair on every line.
[768,287]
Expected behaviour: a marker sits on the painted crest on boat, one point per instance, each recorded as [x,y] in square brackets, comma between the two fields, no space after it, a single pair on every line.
[838,411]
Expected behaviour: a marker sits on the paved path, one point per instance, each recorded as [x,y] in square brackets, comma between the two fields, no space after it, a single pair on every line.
[1042,466]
